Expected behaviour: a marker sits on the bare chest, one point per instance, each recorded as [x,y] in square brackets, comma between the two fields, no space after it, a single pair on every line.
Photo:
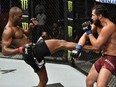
[18,34]
[19,38]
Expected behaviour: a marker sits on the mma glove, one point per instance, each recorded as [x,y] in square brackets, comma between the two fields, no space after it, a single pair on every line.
[26,51]
[34,21]
[77,52]
[87,27]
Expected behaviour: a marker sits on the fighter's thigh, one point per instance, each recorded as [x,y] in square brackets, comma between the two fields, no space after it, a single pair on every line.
[93,74]
[104,77]
[55,44]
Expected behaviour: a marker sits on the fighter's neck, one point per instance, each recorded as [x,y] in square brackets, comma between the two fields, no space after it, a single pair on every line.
[104,21]
[10,23]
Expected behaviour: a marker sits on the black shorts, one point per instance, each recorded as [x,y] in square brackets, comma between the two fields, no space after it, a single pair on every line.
[39,51]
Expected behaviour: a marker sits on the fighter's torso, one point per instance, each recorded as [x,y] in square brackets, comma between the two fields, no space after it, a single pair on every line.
[19,38]
[110,46]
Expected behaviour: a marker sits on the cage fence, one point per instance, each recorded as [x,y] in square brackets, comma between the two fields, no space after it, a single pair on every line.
[62,20]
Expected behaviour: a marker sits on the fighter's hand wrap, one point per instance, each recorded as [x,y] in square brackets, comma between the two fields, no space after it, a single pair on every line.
[26,51]
[87,27]
[77,52]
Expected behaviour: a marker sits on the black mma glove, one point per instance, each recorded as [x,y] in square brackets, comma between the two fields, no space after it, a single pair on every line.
[34,21]
[86,27]
[77,52]
[26,51]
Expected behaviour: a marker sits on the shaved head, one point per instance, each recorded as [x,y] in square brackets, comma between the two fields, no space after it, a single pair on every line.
[14,10]
[15,15]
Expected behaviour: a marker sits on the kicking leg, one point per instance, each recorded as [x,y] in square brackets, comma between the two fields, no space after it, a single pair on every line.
[55,45]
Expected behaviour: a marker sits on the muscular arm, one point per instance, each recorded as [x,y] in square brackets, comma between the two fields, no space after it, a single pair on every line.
[82,42]
[31,26]
[6,43]
[91,48]
[28,31]
[84,37]
[102,38]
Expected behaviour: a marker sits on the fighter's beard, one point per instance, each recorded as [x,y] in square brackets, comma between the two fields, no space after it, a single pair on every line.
[97,23]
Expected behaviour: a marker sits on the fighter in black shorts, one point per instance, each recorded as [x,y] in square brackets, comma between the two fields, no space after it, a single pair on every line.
[35,57]
[33,54]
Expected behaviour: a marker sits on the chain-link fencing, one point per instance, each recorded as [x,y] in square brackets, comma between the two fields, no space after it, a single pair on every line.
[60,19]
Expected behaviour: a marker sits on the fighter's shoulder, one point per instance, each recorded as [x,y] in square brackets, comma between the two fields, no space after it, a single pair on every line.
[8,30]
[111,26]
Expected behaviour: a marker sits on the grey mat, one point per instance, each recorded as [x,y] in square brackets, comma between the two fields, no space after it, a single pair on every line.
[16,73]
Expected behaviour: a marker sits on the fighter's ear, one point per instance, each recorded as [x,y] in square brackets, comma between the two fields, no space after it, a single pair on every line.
[100,16]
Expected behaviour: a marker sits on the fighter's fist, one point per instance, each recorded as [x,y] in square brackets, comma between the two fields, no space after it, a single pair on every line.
[77,52]
[87,27]
[26,50]
[35,21]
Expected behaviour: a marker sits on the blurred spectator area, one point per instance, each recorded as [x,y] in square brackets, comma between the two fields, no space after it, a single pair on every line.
[3,21]
[56,11]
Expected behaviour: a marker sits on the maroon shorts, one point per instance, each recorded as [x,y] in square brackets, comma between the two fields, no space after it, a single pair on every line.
[106,61]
